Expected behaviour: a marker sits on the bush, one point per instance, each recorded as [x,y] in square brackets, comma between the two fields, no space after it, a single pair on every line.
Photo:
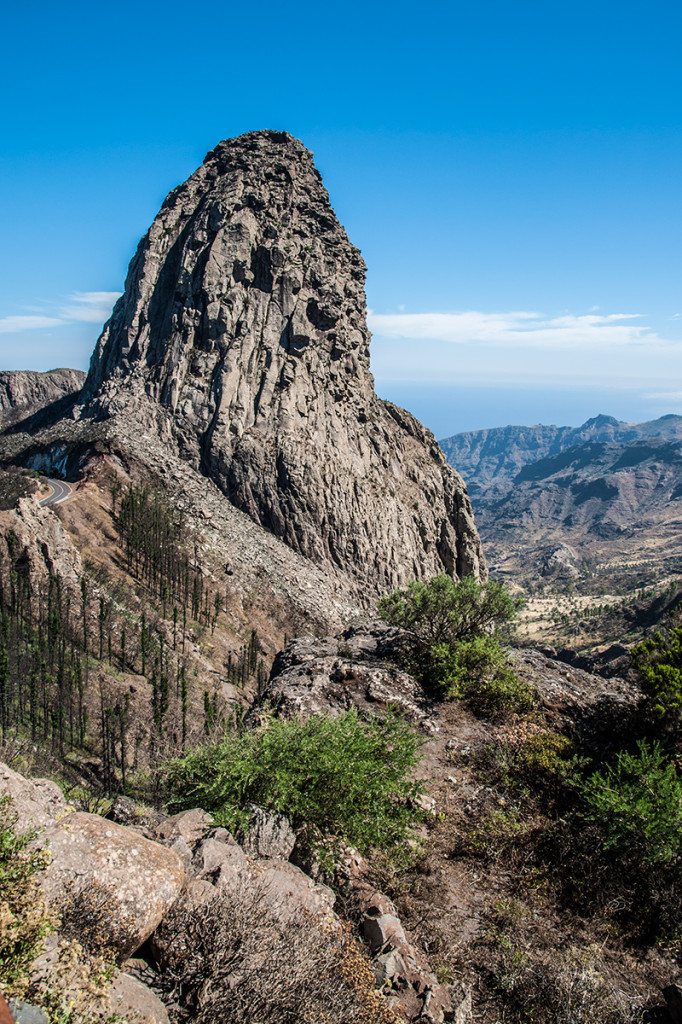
[445,611]
[498,694]
[24,919]
[344,778]
[637,806]
[453,644]
[264,968]
[658,662]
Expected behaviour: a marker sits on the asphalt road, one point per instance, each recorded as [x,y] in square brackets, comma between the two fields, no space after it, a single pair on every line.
[60,492]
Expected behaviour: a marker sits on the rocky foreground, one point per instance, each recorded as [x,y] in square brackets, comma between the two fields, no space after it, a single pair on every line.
[153,890]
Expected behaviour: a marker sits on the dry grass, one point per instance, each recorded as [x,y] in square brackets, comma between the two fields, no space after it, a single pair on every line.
[234,958]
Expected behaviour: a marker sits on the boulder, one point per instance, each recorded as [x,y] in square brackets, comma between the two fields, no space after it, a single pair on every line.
[38,803]
[22,1013]
[312,676]
[222,862]
[269,835]
[191,826]
[383,931]
[133,881]
[401,968]
[290,893]
[132,999]
[601,712]
[125,811]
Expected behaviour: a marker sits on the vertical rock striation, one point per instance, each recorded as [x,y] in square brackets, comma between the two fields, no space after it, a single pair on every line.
[242,337]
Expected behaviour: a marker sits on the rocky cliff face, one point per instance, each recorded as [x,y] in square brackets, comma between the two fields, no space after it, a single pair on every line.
[241,337]
[24,392]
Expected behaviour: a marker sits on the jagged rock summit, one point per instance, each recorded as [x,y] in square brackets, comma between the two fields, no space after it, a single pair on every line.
[242,338]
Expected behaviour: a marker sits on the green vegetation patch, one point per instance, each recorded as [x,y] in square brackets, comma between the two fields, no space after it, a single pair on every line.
[658,662]
[636,804]
[24,919]
[344,778]
[455,641]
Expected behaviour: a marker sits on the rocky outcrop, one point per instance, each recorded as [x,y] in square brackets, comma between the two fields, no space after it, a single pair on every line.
[356,669]
[36,803]
[402,969]
[242,337]
[122,877]
[25,392]
[97,865]
[236,930]
[601,712]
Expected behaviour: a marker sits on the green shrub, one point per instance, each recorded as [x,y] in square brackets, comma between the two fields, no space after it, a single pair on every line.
[498,693]
[658,662]
[343,778]
[453,644]
[445,611]
[637,806]
[24,919]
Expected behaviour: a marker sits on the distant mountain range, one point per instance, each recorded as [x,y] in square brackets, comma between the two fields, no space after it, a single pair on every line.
[600,503]
[485,457]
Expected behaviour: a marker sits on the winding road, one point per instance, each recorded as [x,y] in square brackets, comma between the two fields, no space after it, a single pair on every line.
[60,492]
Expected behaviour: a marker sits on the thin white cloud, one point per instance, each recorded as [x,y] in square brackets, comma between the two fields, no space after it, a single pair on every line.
[81,307]
[89,307]
[15,324]
[518,328]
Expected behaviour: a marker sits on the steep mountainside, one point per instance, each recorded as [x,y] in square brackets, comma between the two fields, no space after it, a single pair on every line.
[24,392]
[242,338]
[234,404]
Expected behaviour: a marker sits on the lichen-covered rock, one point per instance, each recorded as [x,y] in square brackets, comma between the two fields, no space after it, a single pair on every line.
[269,835]
[401,967]
[21,1013]
[329,676]
[131,880]
[190,825]
[244,322]
[134,1001]
[37,803]
[601,711]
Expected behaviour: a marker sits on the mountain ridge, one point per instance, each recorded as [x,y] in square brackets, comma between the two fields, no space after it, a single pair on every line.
[496,454]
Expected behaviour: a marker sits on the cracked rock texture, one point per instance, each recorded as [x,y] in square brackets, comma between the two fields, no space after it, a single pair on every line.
[244,321]
[24,392]
[327,676]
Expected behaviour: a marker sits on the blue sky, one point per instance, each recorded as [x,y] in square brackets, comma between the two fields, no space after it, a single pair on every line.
[512,173]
